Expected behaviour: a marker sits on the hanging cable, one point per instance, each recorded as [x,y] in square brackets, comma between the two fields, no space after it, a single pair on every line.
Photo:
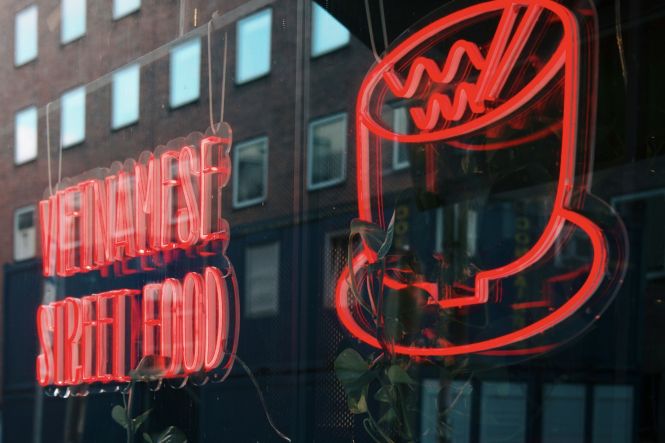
[213,126]
[371,31]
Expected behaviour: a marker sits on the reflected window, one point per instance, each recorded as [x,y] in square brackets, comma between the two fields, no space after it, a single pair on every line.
[72,117]
[125,102]
[262,280]
[250,178]
[25,36]
[563,413]
[185,68]
[327,33]
[73,22]
[253,46]
[122,8]
[446,412]
[24,233]
[326,152]
[401,121]
[612,414]
[25,134]
[503,412]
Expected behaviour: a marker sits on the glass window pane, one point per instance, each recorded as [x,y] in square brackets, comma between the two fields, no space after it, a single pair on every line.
[73,20]
[25,36]
[251,169]
[25,134]
[262,280]
[126,88]
[327,33]
[612,414]
[327,151]
[503,412]
[451,420]
[124,7]
[253,46]
[401,126]
[24,233]
[185,76]
[72,117]
[563,413]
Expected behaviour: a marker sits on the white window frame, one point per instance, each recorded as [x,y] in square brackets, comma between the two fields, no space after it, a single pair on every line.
[397,165]
[313,52]
[18,33]
[273,311]
[64,39]
[120,13]
[115,125]
[196,41]
[32,156]
[239,24]
[236,176]
[76,90]
[18,212]
[310,151]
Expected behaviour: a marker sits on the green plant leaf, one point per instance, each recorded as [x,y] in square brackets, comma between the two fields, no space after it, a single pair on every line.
[388,239]
[351,369]
[139,420]
[147,438]
[397,374]
[389,417]
[172,435]
[357,401]
[119,416]
[385,394]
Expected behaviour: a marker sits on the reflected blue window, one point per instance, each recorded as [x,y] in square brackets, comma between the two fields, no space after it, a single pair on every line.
[25,135]
[25,36]
[326,152]
[563,413]
[327,33]
[250,179]
[122,8]
[612,414]
[253,46]
[73,20]
[125,102]
[185,68]
[401,125]
[72,117]
[446,411]
[503,412]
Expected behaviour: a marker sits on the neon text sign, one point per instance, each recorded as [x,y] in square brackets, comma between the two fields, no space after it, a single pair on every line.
[141,211]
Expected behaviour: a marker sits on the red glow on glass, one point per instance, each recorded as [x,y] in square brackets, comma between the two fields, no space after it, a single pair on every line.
[442,118]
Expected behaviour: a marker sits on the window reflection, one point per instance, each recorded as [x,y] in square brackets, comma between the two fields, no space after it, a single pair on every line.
[612,414]
[251,172]
[73,22]
[503,412]
[253,46]
[262,280]
[185,79]
[563,413]
[327,151]
[327,33]
[125,103]
[25,36]
[25,147]
[72,117]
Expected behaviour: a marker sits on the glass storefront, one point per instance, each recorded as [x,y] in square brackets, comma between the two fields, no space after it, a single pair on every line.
[332,221]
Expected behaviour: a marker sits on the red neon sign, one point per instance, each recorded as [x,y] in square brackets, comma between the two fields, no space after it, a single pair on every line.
[480,89]
[167,201]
